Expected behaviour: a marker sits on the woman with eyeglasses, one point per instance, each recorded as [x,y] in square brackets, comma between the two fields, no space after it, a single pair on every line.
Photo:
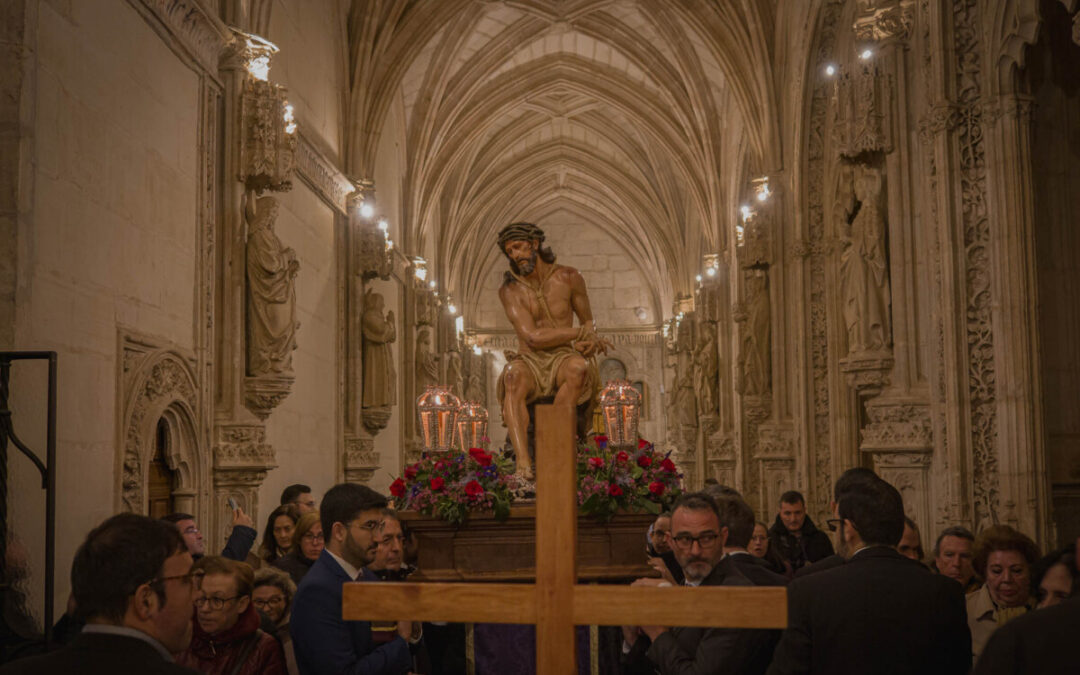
[273,596]
[307,546]
[226,639]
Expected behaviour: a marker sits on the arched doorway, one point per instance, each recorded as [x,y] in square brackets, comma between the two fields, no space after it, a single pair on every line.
[161,480]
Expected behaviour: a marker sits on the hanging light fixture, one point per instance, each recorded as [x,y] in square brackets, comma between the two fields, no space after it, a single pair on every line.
[438,409]
[621,406]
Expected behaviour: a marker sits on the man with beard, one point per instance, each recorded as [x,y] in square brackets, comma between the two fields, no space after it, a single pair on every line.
[325,644]
[698,539]
[555,358]
[879,612]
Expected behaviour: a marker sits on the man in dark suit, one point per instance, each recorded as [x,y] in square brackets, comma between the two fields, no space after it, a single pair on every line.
[737,516]
[853,476]
[326,644]
[878,613]
[698,541]
[132,583]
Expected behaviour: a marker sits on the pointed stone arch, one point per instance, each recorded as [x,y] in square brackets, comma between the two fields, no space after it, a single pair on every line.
[158,383]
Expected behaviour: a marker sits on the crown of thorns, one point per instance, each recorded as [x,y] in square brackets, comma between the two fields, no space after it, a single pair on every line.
[519,232]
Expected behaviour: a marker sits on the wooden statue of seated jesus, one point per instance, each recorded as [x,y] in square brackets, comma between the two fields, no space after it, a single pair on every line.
[555,356]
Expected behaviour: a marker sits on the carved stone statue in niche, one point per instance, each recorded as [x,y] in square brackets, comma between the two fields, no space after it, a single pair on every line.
[271,291]
[755,352]
[427,364]
[474,391]
[453,372]
[685,401]
[706,370]
[864,273]
[380,380]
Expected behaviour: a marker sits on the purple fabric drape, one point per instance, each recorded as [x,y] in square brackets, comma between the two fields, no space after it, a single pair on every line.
[510,649]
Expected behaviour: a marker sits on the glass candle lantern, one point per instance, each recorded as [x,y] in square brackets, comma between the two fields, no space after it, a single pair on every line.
[621,405]
[472,423]
[437,409]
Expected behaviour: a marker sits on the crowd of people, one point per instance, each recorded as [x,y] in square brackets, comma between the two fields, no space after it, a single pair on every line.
[146,597]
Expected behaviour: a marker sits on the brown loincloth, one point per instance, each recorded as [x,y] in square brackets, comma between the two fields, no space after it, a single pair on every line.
[544,365]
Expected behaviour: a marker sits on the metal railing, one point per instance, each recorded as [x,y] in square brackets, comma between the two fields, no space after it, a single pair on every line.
[47,469]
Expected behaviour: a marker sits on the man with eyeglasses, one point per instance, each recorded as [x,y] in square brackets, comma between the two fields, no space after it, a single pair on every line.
[300,495]
[698,540]
[131,581]
[389,562]
[879,612]
[227,638]
[326,644]
[240,541]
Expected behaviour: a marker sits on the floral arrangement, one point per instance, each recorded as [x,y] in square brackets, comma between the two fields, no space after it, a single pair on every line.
[610,480]
[451,486]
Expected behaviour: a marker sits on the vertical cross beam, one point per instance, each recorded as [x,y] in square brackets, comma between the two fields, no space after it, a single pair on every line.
[556,539]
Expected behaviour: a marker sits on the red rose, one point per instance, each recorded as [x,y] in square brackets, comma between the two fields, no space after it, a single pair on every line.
[622,456]
[596,462]
[437,483]
[668,465]
[440,465]
[644,461]
[397,488]
[642,444]
[656,487]
[614,490]
[474,489]
[601,440]
[482,458]
[410,472]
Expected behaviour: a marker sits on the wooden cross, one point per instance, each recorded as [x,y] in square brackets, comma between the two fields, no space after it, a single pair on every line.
[556,603]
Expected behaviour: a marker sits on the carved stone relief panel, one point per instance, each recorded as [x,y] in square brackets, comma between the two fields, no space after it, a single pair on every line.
[361,460]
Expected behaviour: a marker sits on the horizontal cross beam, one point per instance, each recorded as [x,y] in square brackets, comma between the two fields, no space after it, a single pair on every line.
[707,606]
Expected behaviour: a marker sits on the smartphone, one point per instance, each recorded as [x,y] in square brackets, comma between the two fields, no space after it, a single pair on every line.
[232,504]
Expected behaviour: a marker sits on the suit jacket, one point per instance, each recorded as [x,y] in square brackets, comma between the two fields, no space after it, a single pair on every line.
[757,570]
[326,644]
[820,566]
[693,650]
[811,546]
[98,654]
[1043,641]
[878,613]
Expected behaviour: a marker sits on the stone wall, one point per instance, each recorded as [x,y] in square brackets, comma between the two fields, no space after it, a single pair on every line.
[113,245]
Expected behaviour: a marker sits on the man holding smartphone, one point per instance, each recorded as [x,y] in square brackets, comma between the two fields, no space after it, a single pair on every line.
[240,540]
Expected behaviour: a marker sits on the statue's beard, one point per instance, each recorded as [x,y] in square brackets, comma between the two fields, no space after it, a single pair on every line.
[526,267]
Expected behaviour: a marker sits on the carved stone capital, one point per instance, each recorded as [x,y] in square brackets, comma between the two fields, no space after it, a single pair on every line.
[361,460]
[242,447]
[719,448]
[867,370]
[1013,106]
[940,118]
[756,409]
[238,479]
[884,20]
[376,419]
[897,426]
[263,393]
[775,441]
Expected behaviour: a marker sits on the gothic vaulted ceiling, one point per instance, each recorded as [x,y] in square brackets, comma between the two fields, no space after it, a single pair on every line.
[629,114]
